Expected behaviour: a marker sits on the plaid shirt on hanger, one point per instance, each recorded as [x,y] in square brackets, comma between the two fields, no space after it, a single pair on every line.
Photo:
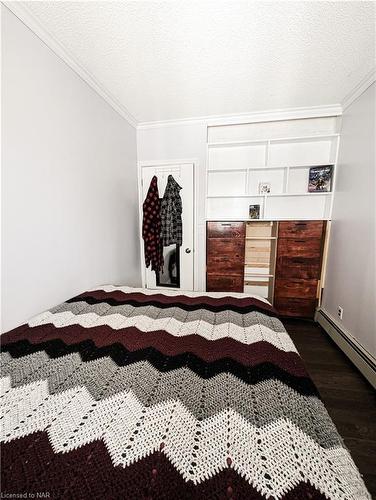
[172,232]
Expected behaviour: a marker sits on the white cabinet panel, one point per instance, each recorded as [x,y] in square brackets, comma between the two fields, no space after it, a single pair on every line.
[273,129]
[297,207]
[232,208]
[300,153]
[226,183]
[235,157]
[298,180]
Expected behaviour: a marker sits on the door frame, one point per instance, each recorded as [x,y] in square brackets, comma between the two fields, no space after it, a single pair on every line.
[157,163]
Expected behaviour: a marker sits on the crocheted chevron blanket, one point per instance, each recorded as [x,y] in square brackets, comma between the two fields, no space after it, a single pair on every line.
[124,393]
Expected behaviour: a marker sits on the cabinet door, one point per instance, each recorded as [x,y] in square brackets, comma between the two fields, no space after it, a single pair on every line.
[225,256]
[226,230]
[299,247]
[301,229]
[224,283]
[298,267]
[295,288]
[225,265]
[292,307]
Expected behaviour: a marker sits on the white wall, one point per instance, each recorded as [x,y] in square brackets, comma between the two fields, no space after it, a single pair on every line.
[69,182]
[181,142]
[350,279]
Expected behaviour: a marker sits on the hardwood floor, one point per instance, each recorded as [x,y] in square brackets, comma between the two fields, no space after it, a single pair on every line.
[348,397]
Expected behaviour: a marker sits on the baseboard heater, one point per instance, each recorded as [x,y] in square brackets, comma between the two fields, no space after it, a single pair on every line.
[361,359]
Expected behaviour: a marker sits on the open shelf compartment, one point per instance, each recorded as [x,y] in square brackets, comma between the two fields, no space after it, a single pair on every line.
[260,255]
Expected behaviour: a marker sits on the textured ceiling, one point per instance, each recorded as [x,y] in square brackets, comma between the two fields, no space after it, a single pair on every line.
[180,59]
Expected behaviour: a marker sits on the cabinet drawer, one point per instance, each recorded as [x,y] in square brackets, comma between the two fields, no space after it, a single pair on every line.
[299,247]
[300,308]
[220,247]
[215,283]
[301,229]
[226,230]
[295,288]
[298,267]
[226,264]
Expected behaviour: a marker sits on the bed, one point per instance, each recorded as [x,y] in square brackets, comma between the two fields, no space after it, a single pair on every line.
[125,393]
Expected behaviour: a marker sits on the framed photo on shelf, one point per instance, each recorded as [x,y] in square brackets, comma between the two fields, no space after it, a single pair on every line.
[264,187]
[254,211]
[320,179]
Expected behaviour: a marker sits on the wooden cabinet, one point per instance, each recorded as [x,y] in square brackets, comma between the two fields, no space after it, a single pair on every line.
[298,267]
[232,230]
[225,256]
[301,229]
[280,261]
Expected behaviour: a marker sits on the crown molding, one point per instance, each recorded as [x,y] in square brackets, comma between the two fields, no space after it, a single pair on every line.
[21,11]
[358,90]
[254,117]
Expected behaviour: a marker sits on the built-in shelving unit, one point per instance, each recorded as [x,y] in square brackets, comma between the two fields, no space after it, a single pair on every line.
[260,258]
[236,168]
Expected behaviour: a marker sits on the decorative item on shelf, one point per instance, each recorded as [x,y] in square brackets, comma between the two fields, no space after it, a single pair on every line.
[320,179]
[254,211]
[264,187]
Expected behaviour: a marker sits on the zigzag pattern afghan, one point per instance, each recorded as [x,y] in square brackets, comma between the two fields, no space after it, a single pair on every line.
[124,393]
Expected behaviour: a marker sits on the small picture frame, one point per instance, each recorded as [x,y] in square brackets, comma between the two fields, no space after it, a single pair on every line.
[254,211]
[320,179]
[264,187]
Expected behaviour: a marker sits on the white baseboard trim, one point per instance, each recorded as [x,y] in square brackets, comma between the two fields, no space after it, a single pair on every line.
[353,350]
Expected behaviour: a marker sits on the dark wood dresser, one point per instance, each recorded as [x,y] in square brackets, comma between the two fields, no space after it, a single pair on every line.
[291,256]
[298,267]
[225,250]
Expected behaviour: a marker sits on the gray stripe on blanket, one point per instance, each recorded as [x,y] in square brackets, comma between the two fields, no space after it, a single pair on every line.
[260,404]
[152,312]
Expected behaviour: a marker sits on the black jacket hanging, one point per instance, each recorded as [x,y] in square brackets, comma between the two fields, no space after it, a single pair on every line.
[151,228]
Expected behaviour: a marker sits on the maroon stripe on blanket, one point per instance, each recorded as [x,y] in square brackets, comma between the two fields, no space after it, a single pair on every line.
[183,299]
[30,465]
[208,350]
[14,335]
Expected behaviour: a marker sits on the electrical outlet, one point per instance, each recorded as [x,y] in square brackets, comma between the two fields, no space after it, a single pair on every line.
[340,312]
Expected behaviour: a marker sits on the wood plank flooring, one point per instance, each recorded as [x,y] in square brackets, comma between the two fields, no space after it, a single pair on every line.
[348,397]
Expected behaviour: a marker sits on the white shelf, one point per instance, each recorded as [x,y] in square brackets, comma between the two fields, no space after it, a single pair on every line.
[269,195]
[326,193]
[266,167]
[227,170]
[237,196]
[256,275]
[260,237]
[267,219]
[255,142]
[306,166]
[284,162]
[304,138]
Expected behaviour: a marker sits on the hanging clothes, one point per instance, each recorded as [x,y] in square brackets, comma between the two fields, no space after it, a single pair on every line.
[172,232]
[151,228]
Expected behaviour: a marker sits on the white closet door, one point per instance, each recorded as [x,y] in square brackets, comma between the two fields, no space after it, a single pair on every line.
[183,174]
